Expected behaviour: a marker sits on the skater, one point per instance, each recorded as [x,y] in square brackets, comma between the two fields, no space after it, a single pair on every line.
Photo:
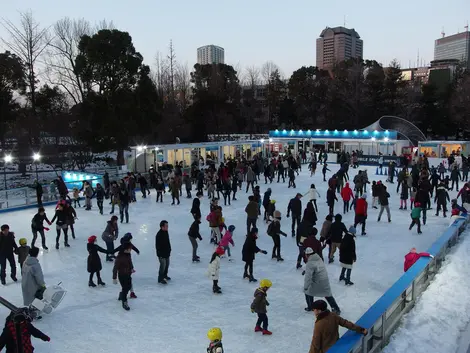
[313,194]
[193,235]
[295,206]
[413,256]
[215,220]
[375,194]
[249,252]
[326,333]
[404,195]
[415,217]
[346,195]
[100,194]
[274,231]
[215,336]
[37,226]
[23,251]
[32,278]
[109,235]
[227,239]
[383,199]
[442,196]
[266,203]
[291,175]
[71,217]
[214,269]
[94,261]
[330,200]
[259,306]
[361,213]
[251,211]
[163,247]
[324,170]
[61,224]
[160,188]
[336,235]
[143,185]
[196,207]
[347,255]
[122,269]
[9,336]
[124,199]
[88,193]
[8,248]
[76,197]
[270,210]
[316,282]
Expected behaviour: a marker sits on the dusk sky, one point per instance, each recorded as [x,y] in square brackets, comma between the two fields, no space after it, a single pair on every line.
[253,32]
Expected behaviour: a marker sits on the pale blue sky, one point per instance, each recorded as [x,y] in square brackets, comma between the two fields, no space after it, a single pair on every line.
[253,32]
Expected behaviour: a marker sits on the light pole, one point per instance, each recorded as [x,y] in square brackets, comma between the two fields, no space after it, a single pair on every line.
[145,158]
[36,158]
[7,159]
[138,149]
[262,147]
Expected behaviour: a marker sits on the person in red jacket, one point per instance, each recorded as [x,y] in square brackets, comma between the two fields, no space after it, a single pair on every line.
[413,256]
[346,195]
[361,213]
[312,242]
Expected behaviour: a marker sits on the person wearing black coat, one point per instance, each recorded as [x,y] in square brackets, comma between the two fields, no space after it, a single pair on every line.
[100,195]
[274,231]
[422,196]
[124,198]
[295,207]
[8,248]
[266,202]
[310,215]
[94,261]
[61,217]
[330,200]
[336,235]
[383,200]
[37,226]
[193,234]
[347,255]
[249,251]
[196,207]
[163,248]
[143,185]
[442,196]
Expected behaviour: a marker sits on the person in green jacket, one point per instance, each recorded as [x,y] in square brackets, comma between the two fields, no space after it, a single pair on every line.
[415,216]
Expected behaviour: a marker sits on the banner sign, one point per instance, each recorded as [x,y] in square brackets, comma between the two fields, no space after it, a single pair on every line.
[374,160]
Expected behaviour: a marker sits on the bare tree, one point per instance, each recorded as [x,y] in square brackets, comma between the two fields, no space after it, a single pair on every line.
[252,77]
[104,24]
[183,86]
[267,70]
[171,69]
[160,75]
[28,41]
[62,52]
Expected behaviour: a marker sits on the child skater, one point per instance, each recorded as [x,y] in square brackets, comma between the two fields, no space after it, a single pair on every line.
[274,231]
[413,256]
[160,187]
[270,210]
[76,197]
[412,197]
[214,269]
[248,253]
[215,336]
[404,195]
[415,217]
[259,306]
[123,268]
[125,240]
[94,261]
[22,251]
[347,255]
[227,239]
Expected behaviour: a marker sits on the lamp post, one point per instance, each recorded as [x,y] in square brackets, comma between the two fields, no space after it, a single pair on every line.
[262,147]
[7,159]
[145,158]
[36,158]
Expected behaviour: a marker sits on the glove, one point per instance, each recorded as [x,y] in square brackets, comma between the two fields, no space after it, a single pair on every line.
[252,311]
[46,229]
[267,303]
[114,281]
[287,216]
[264,252]
[48,339]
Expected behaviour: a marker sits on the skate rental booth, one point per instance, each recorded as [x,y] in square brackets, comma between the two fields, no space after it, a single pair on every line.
[438,151]
[142,157]
[371,143]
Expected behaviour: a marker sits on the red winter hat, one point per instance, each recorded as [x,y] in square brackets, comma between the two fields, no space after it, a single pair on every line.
[220,251]
[92,239]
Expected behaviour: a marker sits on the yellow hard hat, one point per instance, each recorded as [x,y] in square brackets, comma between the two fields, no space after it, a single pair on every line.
[214,334]
[265,283]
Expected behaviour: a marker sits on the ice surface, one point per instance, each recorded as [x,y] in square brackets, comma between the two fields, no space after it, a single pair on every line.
[442,312]
[175,318]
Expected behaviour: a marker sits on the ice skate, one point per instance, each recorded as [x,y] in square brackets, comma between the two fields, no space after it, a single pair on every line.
[298,266]
[267,332]
[57,246]
[125,306]
[258,329]
[133,296]
[14,279]
[252,279]
[101,283]
[67,245]
[280,259]
[91,284]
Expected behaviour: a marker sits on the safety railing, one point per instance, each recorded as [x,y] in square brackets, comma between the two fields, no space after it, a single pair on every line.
[383,318]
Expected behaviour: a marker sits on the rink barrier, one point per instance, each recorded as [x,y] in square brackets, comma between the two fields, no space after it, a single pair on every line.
[383,317]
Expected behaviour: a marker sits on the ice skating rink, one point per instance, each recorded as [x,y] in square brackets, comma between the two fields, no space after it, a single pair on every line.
[176,317]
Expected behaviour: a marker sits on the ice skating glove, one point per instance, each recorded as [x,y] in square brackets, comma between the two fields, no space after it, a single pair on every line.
[115,281]
[267,303]
[264,252]
[46,229]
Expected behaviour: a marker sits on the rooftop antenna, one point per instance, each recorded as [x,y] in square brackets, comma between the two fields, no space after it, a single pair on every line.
[466,27]
[443,33]
[344,21]
[417,60]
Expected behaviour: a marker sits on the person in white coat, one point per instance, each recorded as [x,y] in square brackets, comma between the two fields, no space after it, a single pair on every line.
[313,194]
[316,282]
[32,281]
[214,269]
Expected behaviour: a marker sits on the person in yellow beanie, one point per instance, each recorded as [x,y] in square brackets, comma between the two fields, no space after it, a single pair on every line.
[259,306]
[22,251]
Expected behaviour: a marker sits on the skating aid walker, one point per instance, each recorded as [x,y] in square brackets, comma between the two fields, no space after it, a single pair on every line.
[52,297]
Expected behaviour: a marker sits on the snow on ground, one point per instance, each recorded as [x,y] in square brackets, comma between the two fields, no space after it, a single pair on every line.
[176,317]
[442,312]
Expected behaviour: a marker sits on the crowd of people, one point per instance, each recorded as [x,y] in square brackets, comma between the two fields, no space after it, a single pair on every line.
[417,185]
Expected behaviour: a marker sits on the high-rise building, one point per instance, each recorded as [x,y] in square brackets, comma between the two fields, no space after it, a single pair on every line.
[337,44]
[210,54]
[455,47]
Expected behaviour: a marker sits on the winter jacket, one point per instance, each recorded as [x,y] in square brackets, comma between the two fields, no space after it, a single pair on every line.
[260,303]
[295,206]
[252,209]
[250,175]
[412,257]
[196,208]
[226,239]
[325,333]
[123,265]
[325,230]
[361,207]
[383,196]
[267,198]
[316,282]
[336,231]
[124,196]
[441,195]
[314,244]
[9,336]
[32,279]
[275,229]
[111,232]
[100,193]
[331,197]
[249,249]
[37,222]
[23,252]
[455,174]
[214,269]
[194,230]
[8,244]
[162,244]
[347,250]
[312,194]
[310,216]
[347,193]
[405,192]
[94,261]
[71,214]
[215,218]
[422,196]
[215,347]
[60,217]
[416,212]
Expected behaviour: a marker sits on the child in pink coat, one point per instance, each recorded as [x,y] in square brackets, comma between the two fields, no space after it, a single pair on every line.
[227,239]
[413,256]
